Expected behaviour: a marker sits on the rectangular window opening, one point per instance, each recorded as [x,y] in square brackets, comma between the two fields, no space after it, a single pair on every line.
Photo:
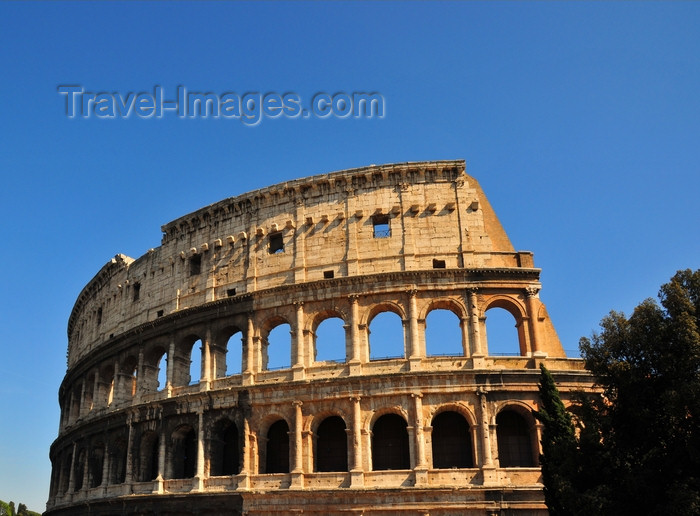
[99,316]
[195,264]
[381,226]
[438,264]
[328,274]
[231,292]
[159,313]
[137,291]
[276,243]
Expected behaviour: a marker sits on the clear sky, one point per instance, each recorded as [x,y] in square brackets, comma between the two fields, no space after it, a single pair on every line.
[580,120]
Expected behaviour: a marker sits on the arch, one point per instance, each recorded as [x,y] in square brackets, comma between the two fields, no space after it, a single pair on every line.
[233,349]
[162,372]
[117,461]
[277,448]
[187,365]
[195,374]
[390,448]
[515,439]
[443,333]
[149,452]
[330,340]
[503,333]
[79,470]
[130,370]
[155,368]
[96,465]
[388,340]
[225,449]
[184,452]
[276,344]
[331,445]
[451,441]
[453,305]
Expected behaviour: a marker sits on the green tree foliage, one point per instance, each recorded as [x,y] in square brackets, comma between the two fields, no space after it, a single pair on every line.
[571,485]
[647,423]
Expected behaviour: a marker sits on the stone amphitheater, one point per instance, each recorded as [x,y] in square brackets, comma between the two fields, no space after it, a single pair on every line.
[238,367]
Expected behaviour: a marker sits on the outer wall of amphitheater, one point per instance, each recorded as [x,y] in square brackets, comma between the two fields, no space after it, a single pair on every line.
[268,420]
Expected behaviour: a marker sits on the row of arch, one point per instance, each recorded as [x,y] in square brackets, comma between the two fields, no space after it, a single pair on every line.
[236,346]
[154,455]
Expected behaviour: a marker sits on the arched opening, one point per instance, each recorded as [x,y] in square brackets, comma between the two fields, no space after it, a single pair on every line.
[234,354]
[65,474]
[79,470]
[278,351]
[331,445]
[89,388]
[386,338]
[329,340]
[443,334]
[184,458]
[502,333]
[117,461]
[148,456]
[390,443]
[162,372]
[514,440]
[97,458]
[196,362]
[225,455]
[277,456]
[452,443]
[130,377]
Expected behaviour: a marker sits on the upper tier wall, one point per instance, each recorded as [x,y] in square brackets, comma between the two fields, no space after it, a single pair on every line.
[436,215]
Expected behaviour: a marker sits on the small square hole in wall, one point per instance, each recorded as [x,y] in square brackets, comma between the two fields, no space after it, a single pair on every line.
[328,274]
[231,292]
[159,313]
[438,264]
[381,226]
[276,243]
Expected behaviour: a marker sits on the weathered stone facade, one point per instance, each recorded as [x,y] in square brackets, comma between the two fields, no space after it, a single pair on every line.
[416,434]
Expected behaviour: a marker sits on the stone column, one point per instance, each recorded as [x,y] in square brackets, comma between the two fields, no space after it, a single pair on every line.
[298,365]
[356,470]
[161,459]
[355,352]
[531,298]
[171,367]
[420,468]
[86,471]
[96,390]
[478,351]
[244,480]
[71,475]
[82,411]
[487,466]
[105,468]
[415,349]
[141,384]
[297,464]
[205,376]
[249,354]
[200,451]
[129,473]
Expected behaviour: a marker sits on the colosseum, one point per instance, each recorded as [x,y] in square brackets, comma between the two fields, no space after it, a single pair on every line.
[314,347]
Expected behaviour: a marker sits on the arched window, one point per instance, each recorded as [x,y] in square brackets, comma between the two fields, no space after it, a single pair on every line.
[502,333]
[443,334]
[129,386]
[386,337]
[330,340]
[277,452]
[162,373]
[79,470]
[390,443]
[196,362]
[117,461]
[97,457]
[225,449]
[184,458]
[148,456]
[514,441]
[65,474]
[331,445]
[234,354]
[279,348]
[452,443]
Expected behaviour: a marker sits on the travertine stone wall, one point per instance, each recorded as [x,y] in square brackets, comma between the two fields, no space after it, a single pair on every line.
[213,288]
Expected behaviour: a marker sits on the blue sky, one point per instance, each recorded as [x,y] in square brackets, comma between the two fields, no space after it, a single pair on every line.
[580,121]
